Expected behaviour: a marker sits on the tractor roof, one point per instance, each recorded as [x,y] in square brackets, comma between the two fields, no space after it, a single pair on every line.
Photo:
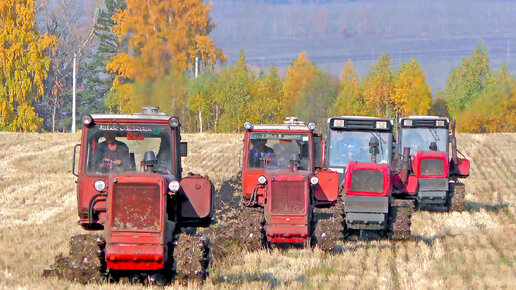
[290,124]
[425,118]
[137,116]
[281,127]
[359,118]
[148,113]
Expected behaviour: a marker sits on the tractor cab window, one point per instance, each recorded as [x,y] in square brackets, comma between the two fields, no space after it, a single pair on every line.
[115,148]
[422,139]
[279,151]
[346,146]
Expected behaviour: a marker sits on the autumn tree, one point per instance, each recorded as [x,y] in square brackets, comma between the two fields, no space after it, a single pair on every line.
[201,101]
[24,65]
[494,109]
[298,76]
[316,97]
[98,96]
[412,95]
[165,38]
[266,104]
[467,81]
[234,93]
[72,24]
[378,87]
[350,100]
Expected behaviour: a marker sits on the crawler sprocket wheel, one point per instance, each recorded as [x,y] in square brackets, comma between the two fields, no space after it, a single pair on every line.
[86,262]
[456,197]
[400,215]
[329,227]
[191,257]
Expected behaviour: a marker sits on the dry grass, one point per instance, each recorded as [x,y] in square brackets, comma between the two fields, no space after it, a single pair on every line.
[474,249]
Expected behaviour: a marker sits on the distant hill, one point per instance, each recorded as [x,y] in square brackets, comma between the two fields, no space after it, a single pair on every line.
[438,33]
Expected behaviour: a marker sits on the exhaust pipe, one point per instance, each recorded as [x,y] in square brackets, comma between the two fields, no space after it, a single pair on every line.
[455,159]
[405,165]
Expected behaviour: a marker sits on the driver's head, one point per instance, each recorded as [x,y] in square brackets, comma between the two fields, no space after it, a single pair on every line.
[260,143]
[351,148]
[110,137]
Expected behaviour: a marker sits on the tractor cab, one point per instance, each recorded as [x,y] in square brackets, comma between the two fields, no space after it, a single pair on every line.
[358,139]
[360,149]
[282,172]
[129,183]
[429,140]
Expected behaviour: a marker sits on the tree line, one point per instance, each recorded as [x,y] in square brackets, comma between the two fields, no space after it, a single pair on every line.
[162,54]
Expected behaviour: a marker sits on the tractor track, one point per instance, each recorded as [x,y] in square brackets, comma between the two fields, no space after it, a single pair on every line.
[400,215]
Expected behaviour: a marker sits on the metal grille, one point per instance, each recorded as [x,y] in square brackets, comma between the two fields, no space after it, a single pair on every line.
[288,197]
[360,124]
[431,166]
[367,181]
[136,207]
[433,184]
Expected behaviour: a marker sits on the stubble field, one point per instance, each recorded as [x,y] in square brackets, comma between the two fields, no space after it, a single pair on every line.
[473,249]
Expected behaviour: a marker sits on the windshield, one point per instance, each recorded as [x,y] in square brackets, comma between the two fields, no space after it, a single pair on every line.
[421,138]
[114,148]
[279,150]
[345,146]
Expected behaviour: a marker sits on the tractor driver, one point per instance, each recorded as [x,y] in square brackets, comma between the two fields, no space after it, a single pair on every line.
[350,150]
[111,154]
[260,155]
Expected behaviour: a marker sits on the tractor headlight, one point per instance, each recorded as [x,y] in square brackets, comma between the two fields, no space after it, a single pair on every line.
[262,179]
[99,185]
[173,122]
[439,123]
[87,119]
[381,125]
[338,123]
[407,123]
[311,126]
[314,180]
[173,186]
[248,126]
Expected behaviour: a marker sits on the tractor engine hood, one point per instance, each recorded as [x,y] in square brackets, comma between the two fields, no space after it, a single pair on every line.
[287,208]
[368,179]
[430,164]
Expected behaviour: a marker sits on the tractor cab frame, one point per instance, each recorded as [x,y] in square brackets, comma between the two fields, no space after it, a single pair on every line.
[130,184]
[361,149]
[430,162]
[282,172]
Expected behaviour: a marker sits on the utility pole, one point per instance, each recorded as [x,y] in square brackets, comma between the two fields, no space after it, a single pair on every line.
[73,102]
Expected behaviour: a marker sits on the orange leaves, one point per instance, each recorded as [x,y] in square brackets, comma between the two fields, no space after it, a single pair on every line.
[164,36]
[412,96]
[298,76]
[379,86]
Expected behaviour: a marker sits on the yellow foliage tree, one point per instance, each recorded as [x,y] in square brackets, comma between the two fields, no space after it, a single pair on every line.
[412,96]
[298,76]
[494,110]
[165,38]
[350,100]
[24,65]
[378,87]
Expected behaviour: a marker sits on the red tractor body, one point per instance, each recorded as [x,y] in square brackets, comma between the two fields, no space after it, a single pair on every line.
[361,150]
[431,165]
[287,179]
[140,208]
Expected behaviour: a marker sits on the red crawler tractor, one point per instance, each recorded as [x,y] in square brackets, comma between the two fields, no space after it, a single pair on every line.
[360,149]
[437,174]
[282,173]
[142,206]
